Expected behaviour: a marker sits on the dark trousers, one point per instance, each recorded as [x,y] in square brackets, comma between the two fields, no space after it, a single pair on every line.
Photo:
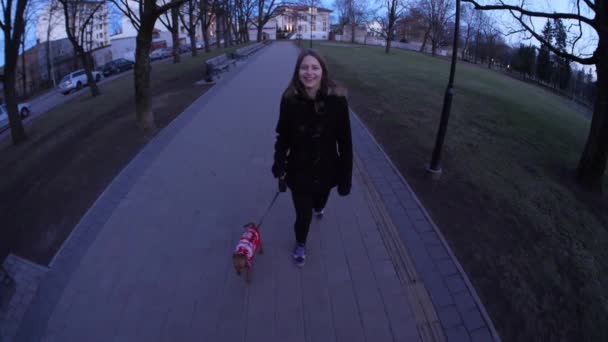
[304,204]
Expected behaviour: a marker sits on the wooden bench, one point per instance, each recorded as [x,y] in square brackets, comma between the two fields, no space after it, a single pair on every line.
[247,50]
[218,64]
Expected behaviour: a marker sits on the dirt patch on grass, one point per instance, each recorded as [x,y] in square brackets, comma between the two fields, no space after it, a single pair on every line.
[44,195]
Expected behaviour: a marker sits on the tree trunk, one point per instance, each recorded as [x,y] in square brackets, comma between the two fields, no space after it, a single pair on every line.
[144,115]
[592,165]
[23,66]
[218,30]
[226,31]
[352,30]
[389,38]
[193,41]
[260,23]
[86,60]
[260,29]
[48,49]
[477,46]
[49,61]
[204,5]
[175,34]
[424,40]
[11,52]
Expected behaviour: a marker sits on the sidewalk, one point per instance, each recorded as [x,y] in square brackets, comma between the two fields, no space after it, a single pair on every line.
[150,261]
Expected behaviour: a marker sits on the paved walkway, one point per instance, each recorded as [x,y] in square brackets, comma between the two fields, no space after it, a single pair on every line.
[150,261]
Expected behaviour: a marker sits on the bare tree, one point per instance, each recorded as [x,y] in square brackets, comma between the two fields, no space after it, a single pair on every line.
[80,16]
[266,11]
[491,34]
[13,26]
[172,25]
[52,15]
[207,17]
[229,22]
[394,10]
[592,165]
[244,11]
[473,20]
[436,13]
[30,18]
[143,15]
[352,12]
[191,11]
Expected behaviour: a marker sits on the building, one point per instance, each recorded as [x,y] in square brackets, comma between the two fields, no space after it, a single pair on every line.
[51,23]
[360,33]
[411,28]
[269,31]
[303,22]
[161,37]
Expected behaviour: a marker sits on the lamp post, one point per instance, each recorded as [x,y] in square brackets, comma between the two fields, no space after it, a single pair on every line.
[434,168]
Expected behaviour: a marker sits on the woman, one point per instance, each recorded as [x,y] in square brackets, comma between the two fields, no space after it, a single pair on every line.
[313,149]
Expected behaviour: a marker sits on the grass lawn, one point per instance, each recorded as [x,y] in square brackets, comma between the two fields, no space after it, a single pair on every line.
[534,245]
[75,150]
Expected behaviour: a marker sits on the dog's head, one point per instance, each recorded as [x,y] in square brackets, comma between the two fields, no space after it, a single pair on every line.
[251,225]
[240,262]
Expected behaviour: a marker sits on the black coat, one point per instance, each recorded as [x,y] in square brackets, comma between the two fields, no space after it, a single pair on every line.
[314,144]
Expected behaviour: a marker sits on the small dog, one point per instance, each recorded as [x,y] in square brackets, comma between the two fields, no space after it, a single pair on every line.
[249,244]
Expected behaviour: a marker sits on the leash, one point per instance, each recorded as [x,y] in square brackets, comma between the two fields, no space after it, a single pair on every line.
[282,188]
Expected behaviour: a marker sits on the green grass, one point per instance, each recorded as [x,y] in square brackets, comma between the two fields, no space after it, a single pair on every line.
[535,246]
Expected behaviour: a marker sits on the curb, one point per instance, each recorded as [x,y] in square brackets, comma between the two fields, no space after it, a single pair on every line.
[470,287]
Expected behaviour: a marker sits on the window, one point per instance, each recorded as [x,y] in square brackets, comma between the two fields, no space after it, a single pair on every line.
[314,27]
[324,26]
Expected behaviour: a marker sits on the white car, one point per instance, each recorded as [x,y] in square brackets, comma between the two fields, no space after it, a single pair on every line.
[76,80]
[160,54]
[24,111]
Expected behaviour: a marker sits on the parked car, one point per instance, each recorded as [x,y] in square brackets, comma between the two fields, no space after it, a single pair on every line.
[117,66]
[160,54]
[24,112]
[200,45]
[183,48]
[76,80]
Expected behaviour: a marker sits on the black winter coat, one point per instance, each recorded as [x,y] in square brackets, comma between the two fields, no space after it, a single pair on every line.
[314,144]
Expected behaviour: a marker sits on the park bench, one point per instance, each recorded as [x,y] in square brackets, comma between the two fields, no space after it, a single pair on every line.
[218,64]
[247,50]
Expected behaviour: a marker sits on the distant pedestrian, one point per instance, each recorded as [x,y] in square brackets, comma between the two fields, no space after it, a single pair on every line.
[313,149]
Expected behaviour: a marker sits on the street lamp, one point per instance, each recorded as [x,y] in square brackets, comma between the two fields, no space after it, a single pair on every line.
[434,167]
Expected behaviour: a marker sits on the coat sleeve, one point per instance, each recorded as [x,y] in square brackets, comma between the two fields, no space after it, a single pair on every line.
[281,146]
[345,149]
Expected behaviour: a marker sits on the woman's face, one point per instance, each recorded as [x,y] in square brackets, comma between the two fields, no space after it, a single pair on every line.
[311,73]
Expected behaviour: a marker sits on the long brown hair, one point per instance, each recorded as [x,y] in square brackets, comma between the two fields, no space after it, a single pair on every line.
[328,86]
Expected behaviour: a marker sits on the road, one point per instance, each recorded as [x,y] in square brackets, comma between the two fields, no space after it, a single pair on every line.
[53,98]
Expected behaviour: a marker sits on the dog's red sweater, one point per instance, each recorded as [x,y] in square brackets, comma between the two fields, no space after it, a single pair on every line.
[249,243]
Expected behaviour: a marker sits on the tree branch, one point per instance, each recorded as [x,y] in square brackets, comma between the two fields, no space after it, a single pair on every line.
[587,61]
[164,8]
[128,12]
[591,22]
[590,4]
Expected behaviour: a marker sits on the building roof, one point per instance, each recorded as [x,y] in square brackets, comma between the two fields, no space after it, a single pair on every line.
[304,8]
